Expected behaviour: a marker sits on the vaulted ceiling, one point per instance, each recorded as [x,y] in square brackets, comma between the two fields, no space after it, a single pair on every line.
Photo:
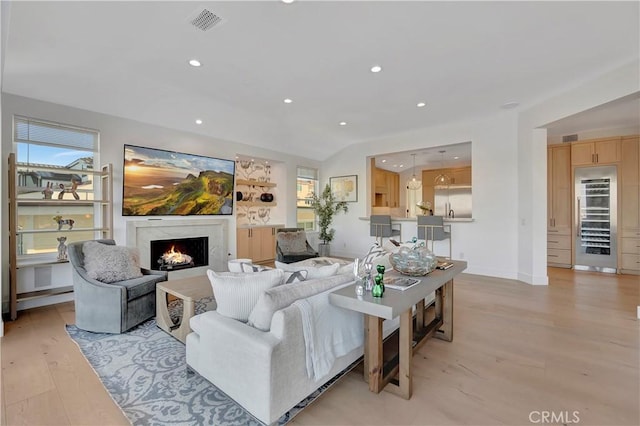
[463,59]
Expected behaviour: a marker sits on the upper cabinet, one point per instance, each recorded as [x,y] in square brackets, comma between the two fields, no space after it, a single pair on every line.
[596,152]
[387,188]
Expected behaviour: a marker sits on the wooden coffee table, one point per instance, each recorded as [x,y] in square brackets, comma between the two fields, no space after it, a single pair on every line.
[188,290]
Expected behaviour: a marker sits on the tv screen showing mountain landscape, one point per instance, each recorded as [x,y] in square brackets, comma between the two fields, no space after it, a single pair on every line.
[162,183]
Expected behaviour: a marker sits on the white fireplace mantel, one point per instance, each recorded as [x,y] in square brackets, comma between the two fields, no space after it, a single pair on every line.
[140,233]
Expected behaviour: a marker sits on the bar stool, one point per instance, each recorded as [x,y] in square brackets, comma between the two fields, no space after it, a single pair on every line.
[432,228]
[381,227]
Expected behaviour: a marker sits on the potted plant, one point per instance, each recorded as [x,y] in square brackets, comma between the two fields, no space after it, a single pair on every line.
[325,207]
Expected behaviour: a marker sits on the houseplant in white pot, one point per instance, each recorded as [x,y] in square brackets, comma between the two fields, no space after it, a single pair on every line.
[325,207]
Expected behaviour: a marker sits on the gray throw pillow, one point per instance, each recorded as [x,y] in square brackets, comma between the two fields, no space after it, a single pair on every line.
[109,264]
[280,297]
[292,242]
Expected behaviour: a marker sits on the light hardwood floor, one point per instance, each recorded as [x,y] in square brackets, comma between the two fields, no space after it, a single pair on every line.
[569,347]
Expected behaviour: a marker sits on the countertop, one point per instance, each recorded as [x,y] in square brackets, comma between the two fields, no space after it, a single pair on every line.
[413,219]
[268,225]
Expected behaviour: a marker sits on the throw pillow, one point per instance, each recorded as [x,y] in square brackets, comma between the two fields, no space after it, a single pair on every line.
[312,272]
[251,268]
[109,263]
[236,295]
[280,297]
[292,242]
[296,276]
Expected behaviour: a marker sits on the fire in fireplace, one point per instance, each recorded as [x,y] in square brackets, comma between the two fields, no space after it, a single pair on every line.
[182,253]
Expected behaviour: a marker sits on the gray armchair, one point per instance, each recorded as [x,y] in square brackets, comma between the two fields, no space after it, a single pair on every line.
[114,307]
[288,251]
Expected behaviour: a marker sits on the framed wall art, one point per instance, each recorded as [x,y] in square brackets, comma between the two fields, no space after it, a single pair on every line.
[345,188]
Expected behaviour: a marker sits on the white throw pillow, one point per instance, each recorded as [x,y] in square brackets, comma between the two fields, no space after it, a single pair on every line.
[108,263]
[313,272]
[236,295]
[295,276]
[250,268]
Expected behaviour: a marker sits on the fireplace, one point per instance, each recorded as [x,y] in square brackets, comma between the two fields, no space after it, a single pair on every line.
[140,234]
[179,253]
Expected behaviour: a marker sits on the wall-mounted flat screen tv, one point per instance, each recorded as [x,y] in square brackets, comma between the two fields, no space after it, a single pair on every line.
[164,183]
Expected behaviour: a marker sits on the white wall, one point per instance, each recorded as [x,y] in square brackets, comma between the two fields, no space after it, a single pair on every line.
[115,132]
[494,158]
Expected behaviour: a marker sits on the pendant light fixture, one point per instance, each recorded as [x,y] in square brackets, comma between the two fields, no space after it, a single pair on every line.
[414,183]
[442,178]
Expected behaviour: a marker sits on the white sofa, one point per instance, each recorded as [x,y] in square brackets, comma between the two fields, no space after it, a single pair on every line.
[264,371]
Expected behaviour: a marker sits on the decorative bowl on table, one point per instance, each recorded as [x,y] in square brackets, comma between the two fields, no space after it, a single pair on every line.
[418,261]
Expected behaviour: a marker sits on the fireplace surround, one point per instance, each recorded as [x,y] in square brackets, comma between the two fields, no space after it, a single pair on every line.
[140,234]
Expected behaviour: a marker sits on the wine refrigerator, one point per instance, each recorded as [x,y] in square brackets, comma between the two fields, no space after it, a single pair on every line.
[596,218]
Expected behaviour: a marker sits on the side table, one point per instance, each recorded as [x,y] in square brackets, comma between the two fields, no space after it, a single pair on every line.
[188,290]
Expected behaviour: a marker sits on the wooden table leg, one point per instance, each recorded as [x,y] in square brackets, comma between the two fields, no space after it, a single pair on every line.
[405,378]
[163,319]
[374,362]
[420,315]
[188,311]
[446,311]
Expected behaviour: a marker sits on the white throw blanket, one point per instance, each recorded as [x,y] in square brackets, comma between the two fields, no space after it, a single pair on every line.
[329,333]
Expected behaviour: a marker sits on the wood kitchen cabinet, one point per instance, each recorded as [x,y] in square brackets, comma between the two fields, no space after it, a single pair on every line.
[595,152]
[387,188]
[256,243]
[559,196]
[459,176]
[629,175]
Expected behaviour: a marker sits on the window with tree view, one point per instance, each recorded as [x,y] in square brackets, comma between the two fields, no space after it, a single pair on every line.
[55,184]
[307,184]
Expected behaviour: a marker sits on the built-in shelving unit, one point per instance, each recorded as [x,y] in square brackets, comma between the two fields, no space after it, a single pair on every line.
[37,194]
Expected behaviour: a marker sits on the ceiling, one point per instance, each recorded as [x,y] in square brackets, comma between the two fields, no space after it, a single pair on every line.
[455,155]
[463,59]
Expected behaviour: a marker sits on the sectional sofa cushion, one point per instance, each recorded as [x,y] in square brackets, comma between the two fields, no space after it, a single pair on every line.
[313,272]
[280,297]
[110,263]
[237,294]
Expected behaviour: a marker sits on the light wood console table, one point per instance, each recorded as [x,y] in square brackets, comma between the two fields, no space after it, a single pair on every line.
[378,373]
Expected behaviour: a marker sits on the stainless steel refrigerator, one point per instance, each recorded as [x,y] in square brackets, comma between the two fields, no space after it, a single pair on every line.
[596,218]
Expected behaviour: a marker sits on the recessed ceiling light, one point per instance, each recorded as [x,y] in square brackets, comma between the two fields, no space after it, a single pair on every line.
[198,121]
[288,1]
[195,63]
[395,165]
[376,68]
[455,158]
[401,165]
[384,161]
[421,104]
[287,101]
[509,105]
[343,123]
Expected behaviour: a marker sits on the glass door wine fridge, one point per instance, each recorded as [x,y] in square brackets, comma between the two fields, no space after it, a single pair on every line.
[596,218]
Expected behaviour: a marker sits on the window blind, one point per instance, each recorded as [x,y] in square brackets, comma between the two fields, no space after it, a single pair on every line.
[52,134]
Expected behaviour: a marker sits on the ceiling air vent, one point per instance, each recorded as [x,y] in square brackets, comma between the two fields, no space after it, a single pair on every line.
[570,138]
[205,20]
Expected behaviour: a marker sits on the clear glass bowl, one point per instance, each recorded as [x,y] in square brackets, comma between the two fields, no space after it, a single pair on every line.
[416,262]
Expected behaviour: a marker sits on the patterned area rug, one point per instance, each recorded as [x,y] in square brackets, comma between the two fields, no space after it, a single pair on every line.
[145,372]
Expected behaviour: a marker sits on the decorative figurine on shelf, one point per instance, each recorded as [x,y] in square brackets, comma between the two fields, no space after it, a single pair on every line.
[62,248]
[48,191]
[60,221]
[368,283]
[378,289]
[72,190]
[380,269]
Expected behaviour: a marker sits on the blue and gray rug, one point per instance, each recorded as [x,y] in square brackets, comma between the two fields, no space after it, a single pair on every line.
[145,372]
